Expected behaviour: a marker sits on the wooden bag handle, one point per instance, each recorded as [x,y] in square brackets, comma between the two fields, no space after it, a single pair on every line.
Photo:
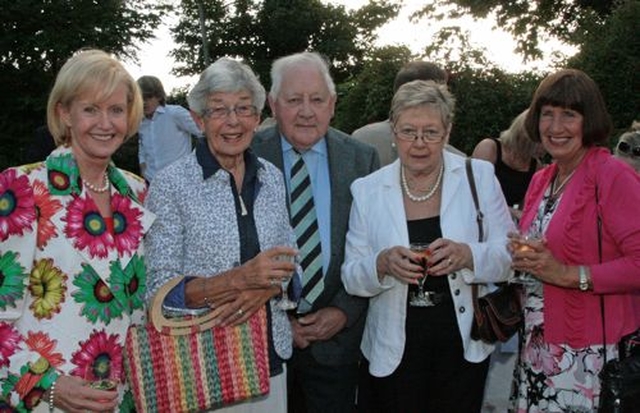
[178,326]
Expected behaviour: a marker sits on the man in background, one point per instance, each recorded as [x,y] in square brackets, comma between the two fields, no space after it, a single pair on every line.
[380,134]
[165,131]
[319,164]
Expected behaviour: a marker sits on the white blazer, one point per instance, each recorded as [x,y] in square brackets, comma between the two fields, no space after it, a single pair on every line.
[378,221]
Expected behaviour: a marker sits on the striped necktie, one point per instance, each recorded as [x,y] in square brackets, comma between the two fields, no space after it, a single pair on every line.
[305,225]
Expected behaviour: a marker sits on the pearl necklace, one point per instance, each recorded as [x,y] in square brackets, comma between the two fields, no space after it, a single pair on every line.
[94,188]
[428,195]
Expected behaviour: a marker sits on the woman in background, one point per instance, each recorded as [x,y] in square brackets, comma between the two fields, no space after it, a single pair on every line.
[515,158]
[628,147]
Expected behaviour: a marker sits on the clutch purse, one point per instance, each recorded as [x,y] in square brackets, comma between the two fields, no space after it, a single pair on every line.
[187,365]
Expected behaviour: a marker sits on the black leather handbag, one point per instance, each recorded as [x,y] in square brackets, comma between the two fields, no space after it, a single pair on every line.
[497,316]
[620,378]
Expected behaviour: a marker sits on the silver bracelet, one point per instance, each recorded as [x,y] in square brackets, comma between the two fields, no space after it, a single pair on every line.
[52,391]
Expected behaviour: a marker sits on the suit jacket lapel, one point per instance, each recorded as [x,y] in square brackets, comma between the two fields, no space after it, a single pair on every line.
[270,148]
[340,174]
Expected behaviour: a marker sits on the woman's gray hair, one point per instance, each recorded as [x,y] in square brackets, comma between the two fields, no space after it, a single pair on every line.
[227,76]
[423,93]
[632,138]
[304,59]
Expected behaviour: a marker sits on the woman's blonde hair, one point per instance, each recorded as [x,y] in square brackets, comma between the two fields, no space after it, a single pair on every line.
[96,71]
[516,138]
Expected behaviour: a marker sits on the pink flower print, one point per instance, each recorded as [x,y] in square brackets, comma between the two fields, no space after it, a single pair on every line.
[126,224]
[86,227]
[17,207]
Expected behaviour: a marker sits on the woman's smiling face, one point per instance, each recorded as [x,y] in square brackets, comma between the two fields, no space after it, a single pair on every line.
[561,132]
[97,129]
[230,135]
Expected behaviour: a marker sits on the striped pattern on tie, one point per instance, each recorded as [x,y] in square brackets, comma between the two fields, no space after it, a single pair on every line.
[305,225]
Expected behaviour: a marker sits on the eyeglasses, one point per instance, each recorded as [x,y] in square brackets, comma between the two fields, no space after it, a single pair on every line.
[412,135]
[624,147]
[219,112]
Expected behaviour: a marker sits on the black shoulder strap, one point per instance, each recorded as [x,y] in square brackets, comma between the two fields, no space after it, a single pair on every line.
[479,217]
[498,150]
[474,194]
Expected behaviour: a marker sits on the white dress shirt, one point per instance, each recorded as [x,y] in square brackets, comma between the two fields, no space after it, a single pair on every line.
[165,137]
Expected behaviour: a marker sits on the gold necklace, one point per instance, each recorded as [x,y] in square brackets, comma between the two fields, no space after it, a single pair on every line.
[555,191]
[428,195]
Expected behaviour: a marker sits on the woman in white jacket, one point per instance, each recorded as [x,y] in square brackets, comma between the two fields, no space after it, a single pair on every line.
[422,359]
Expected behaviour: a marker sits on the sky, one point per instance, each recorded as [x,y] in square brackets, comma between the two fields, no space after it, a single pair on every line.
[154,58]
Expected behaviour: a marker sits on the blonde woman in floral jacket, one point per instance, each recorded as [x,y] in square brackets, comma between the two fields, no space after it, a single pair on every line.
[72,275]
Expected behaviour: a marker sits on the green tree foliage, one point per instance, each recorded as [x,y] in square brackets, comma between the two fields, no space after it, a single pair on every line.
[486,103]
[366,97]
[36,38]
[529,21]
[611,56]
[261,31]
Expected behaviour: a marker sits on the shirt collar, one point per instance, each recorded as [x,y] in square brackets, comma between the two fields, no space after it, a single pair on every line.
[210,164]
[320,147]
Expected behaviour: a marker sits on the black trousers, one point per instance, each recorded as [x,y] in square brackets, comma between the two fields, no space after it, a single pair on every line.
[433,375]
[316,388]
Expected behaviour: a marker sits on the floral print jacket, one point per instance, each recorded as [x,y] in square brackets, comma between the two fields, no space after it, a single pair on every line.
[68,287]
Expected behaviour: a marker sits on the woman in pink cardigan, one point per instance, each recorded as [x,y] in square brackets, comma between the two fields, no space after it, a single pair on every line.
[562,346]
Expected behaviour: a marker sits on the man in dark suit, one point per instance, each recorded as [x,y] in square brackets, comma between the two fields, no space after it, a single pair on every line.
[328,325]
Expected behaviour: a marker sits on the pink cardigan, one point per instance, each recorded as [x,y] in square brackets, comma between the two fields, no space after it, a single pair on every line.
[570,315]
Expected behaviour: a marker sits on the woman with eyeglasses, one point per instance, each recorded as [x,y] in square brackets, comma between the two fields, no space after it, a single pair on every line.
[628,147]
[223,222]
[585,206]
[417,345]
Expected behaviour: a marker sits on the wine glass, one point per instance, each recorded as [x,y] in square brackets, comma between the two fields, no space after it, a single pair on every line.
[421,298]
[285,303]
[521,243]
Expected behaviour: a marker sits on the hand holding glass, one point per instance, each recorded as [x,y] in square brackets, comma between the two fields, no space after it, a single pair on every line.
[522,243]
[285,303]
[421,298]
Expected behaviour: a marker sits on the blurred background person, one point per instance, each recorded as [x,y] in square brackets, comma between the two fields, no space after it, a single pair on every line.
[379,134]
[628,147]
[515,158]
[166,131]
[71,232]
[223,222]
[422,358]
[41,145]
[319,163]
[562,349]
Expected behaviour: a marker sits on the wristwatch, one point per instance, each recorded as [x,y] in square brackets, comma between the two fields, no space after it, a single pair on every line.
[584,278]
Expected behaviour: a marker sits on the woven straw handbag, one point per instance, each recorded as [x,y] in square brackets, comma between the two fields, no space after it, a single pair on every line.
[188,365]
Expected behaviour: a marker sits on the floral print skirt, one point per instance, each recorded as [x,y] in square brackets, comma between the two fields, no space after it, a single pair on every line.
[551,377]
